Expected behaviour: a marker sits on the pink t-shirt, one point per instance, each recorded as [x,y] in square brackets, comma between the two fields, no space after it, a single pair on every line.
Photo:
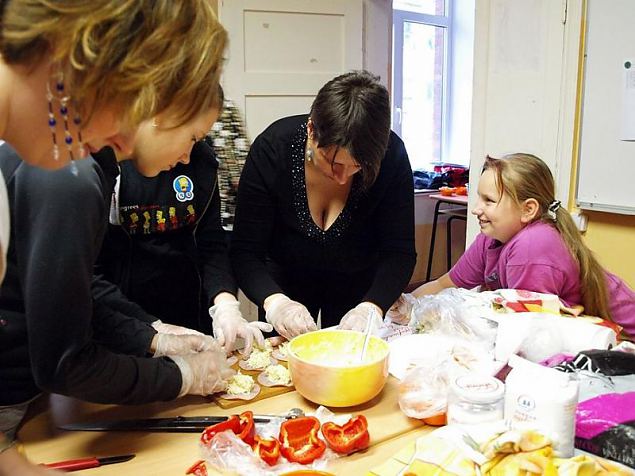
[536,259]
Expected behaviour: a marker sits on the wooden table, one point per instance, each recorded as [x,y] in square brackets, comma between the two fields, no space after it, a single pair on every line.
[171,453]
[457,209]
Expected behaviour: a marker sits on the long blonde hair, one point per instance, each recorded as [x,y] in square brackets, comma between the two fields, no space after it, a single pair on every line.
[525,176]
[150,56]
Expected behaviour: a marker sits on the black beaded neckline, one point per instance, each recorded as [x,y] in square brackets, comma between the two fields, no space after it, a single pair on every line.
[301,202]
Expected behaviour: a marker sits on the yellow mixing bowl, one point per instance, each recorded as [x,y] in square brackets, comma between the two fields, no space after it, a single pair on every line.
[326,369]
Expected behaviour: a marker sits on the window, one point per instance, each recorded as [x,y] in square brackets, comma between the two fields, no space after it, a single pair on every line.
[422,46]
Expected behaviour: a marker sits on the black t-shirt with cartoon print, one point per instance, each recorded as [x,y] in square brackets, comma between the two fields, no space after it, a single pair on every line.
[165,248]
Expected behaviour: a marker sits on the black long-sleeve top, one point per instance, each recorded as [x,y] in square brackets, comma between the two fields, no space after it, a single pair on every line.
[50,335]
[372,240]
[165,251]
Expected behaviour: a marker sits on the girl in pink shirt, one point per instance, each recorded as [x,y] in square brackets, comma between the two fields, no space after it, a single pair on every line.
[528,241]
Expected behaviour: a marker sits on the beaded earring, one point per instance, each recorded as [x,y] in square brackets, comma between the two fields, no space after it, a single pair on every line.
[52,122]
[309,154]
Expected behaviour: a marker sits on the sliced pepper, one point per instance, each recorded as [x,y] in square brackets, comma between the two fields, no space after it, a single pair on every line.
[197,469]
[348,438]
[232,423]
[299,440]
[242,425]
[247,427]
[268,449]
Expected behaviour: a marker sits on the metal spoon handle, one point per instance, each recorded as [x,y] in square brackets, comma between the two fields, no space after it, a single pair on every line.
[369,326]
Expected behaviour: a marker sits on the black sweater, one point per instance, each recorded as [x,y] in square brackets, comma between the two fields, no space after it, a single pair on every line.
[52,338]
[276,243]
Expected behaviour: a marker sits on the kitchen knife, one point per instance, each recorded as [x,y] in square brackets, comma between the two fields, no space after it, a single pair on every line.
[87,463]
[177,424]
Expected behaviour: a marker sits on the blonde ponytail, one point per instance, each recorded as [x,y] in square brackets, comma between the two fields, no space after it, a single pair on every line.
[592,275]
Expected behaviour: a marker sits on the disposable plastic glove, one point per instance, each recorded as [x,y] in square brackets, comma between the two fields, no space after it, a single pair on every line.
[228,323]
[399,312]
[168,344]
[357,318]
[203,373]
[289,318]
[164,328]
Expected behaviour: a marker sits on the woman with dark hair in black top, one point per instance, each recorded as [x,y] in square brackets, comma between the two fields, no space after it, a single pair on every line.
[325,212]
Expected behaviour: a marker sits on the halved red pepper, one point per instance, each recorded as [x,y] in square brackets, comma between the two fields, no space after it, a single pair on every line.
[268,449]
[299,440]
[232,423]
[197,469]
[348,438]
[247,427]
[242,425]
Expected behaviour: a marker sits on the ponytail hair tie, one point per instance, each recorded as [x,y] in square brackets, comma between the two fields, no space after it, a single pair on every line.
[553,208]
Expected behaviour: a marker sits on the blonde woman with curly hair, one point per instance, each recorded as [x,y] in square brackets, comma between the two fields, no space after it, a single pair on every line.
[85,73]
[78,75]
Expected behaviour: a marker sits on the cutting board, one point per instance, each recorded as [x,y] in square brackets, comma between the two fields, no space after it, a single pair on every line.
[265,392]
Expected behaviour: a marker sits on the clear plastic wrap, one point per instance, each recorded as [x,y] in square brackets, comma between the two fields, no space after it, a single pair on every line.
[459,338]
[423,392]
[455,312]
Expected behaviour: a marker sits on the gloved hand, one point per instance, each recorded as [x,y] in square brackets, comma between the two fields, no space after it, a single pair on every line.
[289,318]
[399,312]
[203,373]
[228,323]
[357,318]
[168,344]
[163,328]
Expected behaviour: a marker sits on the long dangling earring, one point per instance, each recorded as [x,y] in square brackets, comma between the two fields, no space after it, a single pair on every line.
[52,122]
[310,153]
[68,137]
[78,122]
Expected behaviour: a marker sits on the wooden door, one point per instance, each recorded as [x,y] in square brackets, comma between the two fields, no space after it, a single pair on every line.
[282,51]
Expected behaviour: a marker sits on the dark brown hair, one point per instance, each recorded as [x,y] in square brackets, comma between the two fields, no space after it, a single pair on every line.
[353,111]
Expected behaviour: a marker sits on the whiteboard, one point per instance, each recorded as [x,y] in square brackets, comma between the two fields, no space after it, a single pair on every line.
[606,165]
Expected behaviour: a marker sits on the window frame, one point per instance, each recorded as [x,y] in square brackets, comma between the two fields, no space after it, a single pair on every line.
[399,17]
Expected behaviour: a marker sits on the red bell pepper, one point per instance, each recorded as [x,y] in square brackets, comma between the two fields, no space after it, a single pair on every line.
[268,449]
[197,469]
[247,427]
[242,425]
[348,438]
[299,440]
[232,423]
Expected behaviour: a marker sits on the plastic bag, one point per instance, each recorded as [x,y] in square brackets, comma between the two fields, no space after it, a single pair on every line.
[605,426]
[426,376]
[423,392]
[461,341]
[456,312]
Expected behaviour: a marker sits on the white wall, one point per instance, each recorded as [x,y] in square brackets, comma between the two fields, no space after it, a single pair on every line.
[377,44]
[461,80]
[525,59]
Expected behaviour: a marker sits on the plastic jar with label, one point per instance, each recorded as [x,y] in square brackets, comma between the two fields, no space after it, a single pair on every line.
[475,398]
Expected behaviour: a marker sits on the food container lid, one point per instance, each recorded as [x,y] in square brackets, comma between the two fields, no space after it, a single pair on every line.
[478,388]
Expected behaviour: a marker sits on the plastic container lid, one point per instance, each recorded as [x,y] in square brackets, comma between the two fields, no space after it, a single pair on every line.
[478,388]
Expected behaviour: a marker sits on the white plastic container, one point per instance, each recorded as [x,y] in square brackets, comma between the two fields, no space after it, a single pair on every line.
[474,399]
[543,399]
